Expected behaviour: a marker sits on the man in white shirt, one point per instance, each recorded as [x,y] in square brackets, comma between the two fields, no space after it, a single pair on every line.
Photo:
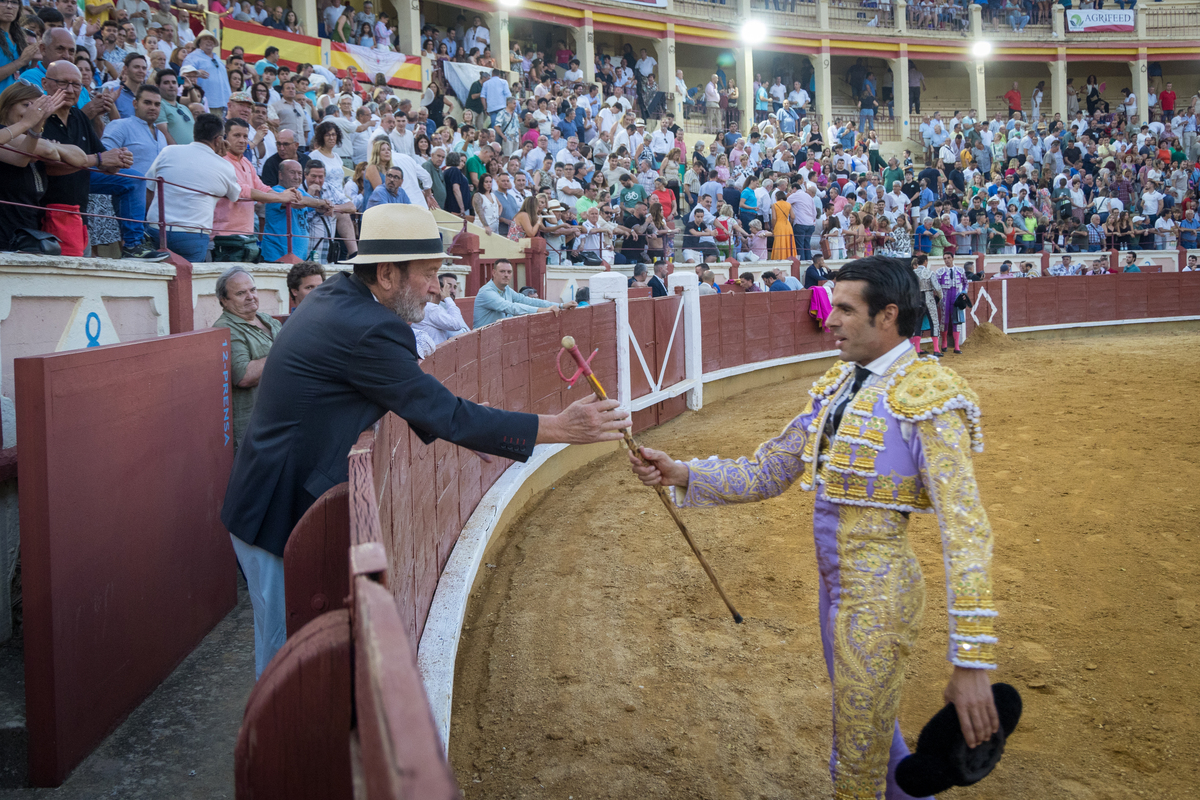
[622,100]
[712,104]
[443,320]
[139,15]
[348,125]
[570,154]
[1165,228]
[895,203]
[332,13]
[569,190]
[798,97]
[534,158]
[401,137]
[209,176]
[477,36]
[1152,200]
[778,93]
[661,142]
[646,64]
[764,195]
[610,116]
[681,87]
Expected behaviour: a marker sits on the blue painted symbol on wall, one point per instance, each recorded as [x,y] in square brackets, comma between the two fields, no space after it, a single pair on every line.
[93,339]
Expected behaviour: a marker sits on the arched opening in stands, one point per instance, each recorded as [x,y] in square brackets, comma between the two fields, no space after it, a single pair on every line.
[699,63]
[947,87]
[1111,77]
[535,36]
[612,48]
[788,68]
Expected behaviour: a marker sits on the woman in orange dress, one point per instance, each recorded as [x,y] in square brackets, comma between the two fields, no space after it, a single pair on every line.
[784,246]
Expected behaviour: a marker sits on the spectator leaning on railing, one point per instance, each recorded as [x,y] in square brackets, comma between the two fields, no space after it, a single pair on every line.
[497,300]
[332,221]
[275,242]
[236,217]
[69,125]
[197,177]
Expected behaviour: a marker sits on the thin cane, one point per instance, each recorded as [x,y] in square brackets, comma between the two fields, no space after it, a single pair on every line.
[585,370]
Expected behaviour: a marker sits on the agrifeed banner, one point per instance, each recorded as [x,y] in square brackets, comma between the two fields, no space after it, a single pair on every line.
[399,70]
[255,39]
[1088,21]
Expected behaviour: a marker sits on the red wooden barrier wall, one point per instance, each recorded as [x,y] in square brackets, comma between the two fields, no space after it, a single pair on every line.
[1098,298]
[426,493]
[125,454]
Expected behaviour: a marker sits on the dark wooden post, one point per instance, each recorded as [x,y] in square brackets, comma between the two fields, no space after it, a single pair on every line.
[535,265]
[466,247]
[180,311]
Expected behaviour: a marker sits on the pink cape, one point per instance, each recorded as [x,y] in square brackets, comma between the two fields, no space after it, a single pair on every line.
[819,306]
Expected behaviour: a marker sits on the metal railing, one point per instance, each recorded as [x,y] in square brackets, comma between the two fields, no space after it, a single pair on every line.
[788,14]
[1173,23]
[867,14]
[721,11]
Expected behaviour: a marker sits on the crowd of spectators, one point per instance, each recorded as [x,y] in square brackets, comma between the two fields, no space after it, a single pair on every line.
[598,169]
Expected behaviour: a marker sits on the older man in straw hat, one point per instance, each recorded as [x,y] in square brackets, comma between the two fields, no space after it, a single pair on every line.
[211,77]
[345,358]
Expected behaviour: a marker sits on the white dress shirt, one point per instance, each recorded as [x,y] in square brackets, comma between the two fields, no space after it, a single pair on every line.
[443,321]
[197,166]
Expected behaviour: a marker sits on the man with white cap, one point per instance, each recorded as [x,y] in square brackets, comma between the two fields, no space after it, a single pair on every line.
[212,77]
[345,358]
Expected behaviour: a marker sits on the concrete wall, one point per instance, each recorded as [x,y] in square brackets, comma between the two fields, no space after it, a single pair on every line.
[52,304]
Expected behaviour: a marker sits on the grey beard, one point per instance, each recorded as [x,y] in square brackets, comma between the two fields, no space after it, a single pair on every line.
[409,307]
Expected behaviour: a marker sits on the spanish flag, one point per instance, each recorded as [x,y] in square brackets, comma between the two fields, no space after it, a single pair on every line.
[255,39]
[399,70]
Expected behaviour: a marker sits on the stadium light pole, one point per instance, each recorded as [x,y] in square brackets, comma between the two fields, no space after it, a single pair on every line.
[981,49]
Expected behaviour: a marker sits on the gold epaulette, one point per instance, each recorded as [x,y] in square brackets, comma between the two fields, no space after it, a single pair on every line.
[926,388]
[831,379]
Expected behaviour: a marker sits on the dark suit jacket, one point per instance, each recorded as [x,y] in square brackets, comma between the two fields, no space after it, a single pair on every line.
[339,364]
[656,287]
[813,276]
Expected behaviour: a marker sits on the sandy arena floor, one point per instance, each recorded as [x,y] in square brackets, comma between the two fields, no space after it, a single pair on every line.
[599,662]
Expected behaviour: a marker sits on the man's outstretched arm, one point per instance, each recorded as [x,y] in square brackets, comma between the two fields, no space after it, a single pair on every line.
[775,465]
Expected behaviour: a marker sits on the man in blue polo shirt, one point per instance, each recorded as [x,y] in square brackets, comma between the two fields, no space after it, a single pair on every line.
[275,246]
[390,191]
[139,134]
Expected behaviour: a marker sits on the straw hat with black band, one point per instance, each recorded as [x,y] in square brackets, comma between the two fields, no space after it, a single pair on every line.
[398,232]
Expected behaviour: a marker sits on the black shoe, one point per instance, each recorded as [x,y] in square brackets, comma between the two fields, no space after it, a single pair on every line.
[958,352]
[144,252]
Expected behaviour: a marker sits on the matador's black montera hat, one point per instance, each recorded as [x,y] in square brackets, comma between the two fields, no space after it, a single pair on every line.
[943,759]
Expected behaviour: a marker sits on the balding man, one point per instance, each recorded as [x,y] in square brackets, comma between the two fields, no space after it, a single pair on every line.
[275,243]
[287,148]
[58,44]
[70,125]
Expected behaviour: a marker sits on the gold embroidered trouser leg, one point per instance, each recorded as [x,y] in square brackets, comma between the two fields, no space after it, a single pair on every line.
[876,597]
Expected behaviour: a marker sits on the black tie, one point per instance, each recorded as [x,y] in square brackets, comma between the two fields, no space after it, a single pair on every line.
[860,377]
